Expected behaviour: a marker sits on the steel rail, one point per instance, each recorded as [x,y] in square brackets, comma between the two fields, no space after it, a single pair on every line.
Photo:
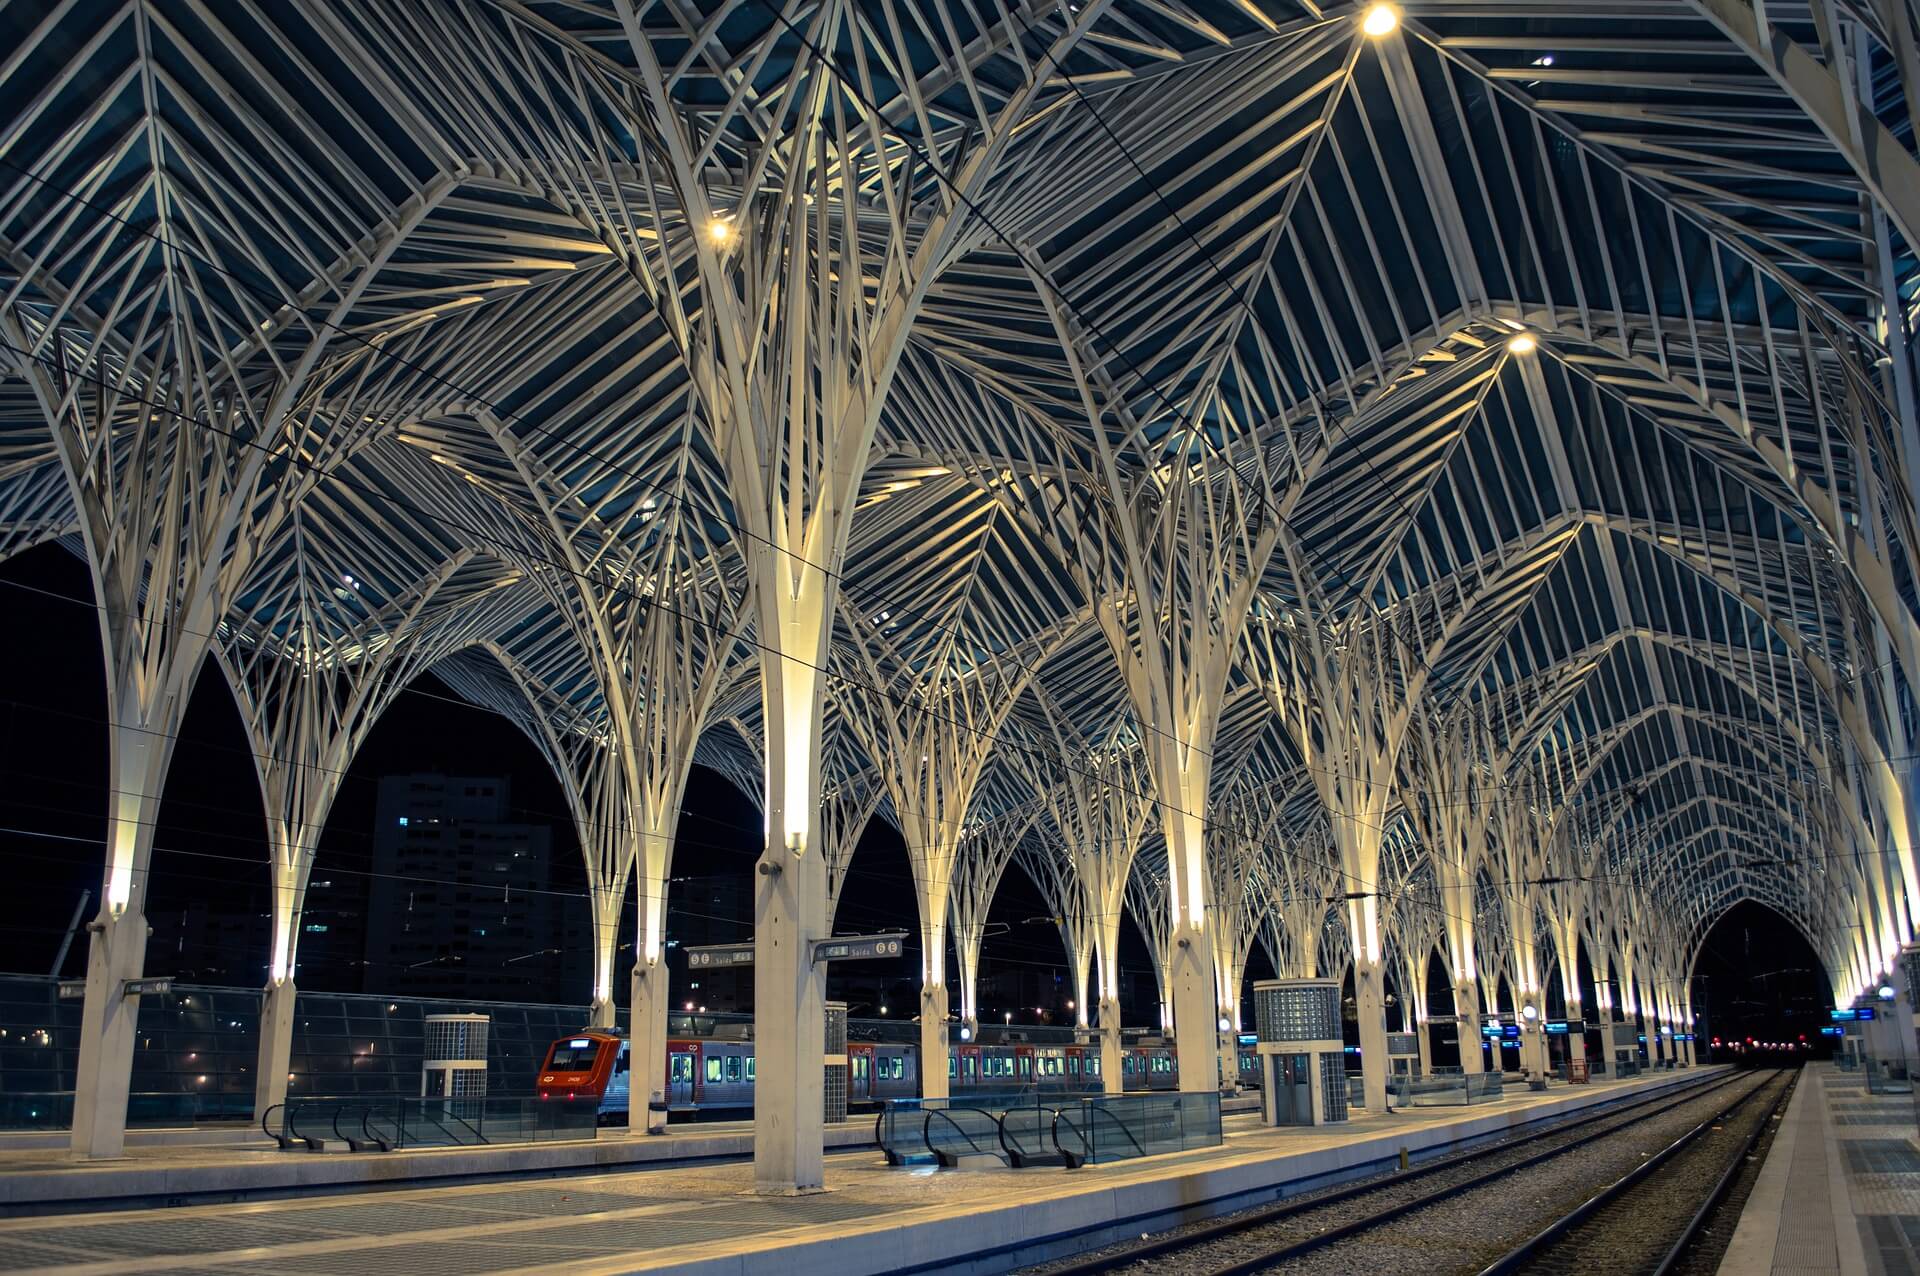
[1516,1259]
[1661,1102]
[1395,1212]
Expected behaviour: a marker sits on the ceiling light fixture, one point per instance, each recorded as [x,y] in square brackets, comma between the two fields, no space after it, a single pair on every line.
[1380,20]
[1522,343]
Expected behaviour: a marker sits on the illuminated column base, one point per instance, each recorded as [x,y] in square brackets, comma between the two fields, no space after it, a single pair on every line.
[789,1024]
[1466,1009]
[933,1041]
[116,952]
[648,999]
[1370,1005]
[275,1057]
[1112,1071]
[1425,1037]
[1190,972]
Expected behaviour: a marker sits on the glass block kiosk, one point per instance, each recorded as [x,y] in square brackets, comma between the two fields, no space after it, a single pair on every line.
[1303,1068]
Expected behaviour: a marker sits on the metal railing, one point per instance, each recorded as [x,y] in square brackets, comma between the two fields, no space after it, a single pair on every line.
[1453,1089]
[953,1133]
[390,1122]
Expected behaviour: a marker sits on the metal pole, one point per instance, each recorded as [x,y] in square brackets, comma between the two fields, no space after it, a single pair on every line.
[66,940]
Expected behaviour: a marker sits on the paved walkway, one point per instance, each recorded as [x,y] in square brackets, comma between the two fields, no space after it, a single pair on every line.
[1840,1192]
[705,1219]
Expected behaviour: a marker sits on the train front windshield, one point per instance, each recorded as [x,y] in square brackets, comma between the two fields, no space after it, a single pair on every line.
[573,1056]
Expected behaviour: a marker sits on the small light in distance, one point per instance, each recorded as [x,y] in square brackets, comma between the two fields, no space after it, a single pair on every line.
[1522,343]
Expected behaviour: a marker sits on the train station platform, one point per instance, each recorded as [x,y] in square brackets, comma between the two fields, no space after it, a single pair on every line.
[227,1165]
[704,1218]
[1839,1194]
[207,1166]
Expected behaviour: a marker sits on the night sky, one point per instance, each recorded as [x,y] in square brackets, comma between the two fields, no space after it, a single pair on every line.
[1757,975]
[210,840]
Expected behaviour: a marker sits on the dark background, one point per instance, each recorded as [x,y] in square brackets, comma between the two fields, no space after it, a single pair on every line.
[1756,976]
[210,841]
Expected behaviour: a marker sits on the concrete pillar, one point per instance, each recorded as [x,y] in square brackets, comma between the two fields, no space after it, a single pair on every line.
[1227,1012]
[1576,1034]
[1370,1005]
[275,1056]
[1194,1032]
[933,1041]
[1466,1008]
[117,941]
[116,952]
[789,997]
[1112,1077]
[790,891]
[648,998]
[1425,1037]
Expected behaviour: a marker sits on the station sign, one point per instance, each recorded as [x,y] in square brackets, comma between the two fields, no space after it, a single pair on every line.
[710,956]
[860,947]
[1831,1031]
[1556,1025]
[1504,1031]
[1849,1016]
[76,989]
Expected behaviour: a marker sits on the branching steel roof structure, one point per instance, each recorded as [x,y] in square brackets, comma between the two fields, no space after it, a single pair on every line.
[1458,465]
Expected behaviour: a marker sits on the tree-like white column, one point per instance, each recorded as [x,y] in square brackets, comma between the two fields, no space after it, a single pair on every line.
[184,410]
[987,845]
[650,597]
[791,267]
[1147,887]
[314,659]
[929,713]
[1091,778]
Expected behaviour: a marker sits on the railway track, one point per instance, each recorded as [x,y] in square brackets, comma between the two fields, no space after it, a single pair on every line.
[1649,1219]
[1454,1214]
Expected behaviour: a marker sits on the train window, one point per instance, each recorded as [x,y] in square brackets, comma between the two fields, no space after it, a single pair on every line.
[733,1067]
[898,1065]
[683,1067]
[859,1067]
[713,1067]
[749,1069]
[953,1067]
[1093,1065]
[573,1056]
[620,1064]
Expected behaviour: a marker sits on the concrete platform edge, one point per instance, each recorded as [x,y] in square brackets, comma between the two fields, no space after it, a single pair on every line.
[1059,1226]
[276,1173]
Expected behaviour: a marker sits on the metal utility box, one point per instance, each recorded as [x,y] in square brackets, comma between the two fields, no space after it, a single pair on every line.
[1403,1054]
[836,1083]
[1303,1064]
[456,1064]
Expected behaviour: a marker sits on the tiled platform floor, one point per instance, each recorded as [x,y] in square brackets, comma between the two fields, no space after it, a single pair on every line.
[1840,1193]
[703,1217]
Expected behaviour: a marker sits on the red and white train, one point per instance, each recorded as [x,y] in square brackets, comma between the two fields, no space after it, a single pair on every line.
[706,1074]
